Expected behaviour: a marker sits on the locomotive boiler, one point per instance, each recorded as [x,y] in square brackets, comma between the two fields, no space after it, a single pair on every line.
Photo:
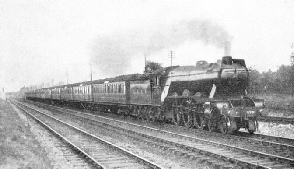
[211,96]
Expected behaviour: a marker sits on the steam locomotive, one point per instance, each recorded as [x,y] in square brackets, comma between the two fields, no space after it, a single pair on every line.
[210,96]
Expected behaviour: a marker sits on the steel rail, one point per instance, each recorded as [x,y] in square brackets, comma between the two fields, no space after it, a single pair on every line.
[68,142]
[206,141]
[141,159]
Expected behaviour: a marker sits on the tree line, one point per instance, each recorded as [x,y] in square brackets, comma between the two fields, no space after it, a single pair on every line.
[280,81]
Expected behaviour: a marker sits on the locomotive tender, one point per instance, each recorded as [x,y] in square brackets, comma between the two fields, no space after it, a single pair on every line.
[209,95]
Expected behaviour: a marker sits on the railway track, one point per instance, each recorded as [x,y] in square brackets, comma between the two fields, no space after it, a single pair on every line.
[276,119]
[186,145]
[195,160]
[98,152]
[281,140]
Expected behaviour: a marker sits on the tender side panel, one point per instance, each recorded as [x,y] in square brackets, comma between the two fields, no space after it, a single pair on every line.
[140,92]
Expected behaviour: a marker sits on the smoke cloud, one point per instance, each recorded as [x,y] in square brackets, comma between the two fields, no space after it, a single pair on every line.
[112,54]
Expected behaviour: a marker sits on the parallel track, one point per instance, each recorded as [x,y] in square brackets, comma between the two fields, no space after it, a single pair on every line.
[237,155]
[275,119]
[100,153]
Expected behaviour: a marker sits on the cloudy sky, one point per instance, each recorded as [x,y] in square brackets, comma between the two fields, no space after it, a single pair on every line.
[41,40]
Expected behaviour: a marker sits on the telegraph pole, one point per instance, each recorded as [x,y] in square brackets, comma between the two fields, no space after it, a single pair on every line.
[66,78]
[91,73]
[292,70]
[145,60]
[171,53]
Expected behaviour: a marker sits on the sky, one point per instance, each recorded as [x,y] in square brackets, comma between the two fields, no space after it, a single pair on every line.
[45,42]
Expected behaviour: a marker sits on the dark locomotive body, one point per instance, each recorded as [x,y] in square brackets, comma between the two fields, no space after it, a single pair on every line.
[211,96]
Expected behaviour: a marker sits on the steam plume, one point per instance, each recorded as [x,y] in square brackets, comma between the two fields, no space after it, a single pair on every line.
[227,49]
[112,54]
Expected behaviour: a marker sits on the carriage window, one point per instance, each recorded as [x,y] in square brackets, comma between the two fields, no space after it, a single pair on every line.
[119,88]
